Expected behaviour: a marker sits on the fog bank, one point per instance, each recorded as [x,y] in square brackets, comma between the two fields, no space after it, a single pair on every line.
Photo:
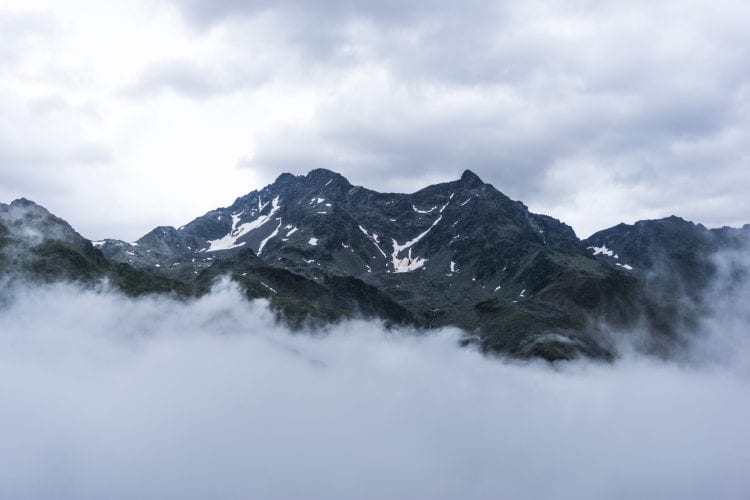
[107,397]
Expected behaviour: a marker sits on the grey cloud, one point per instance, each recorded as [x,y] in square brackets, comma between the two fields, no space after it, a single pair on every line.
[402,160]
[103,396]
[652,93]
[629,87]
[203,12]
[511,143]
[335,32]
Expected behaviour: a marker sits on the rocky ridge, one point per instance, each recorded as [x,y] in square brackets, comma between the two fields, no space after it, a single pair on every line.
[459,253]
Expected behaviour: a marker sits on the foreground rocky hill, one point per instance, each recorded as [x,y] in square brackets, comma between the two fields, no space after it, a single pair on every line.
[459,253]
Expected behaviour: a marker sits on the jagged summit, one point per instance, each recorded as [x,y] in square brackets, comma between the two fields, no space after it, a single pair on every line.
[321,177]
[285,178]
[316,178]
[24,202]
[470,179]
[324,175]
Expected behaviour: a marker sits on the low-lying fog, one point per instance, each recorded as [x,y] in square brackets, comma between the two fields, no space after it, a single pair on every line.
[107,397]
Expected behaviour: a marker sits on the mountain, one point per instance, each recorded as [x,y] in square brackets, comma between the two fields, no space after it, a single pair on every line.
[459,254]
[38,246]
[677,265]
[671,253]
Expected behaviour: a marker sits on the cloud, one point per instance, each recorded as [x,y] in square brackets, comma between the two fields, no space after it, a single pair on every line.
[593,112]
[159,398]
[21,30]
[186,78]
[334,14]
[393,137]
[31,142]
[554,85]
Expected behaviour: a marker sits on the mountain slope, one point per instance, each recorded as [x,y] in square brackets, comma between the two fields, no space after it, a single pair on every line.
[40,247]
[676,263]
[459,254]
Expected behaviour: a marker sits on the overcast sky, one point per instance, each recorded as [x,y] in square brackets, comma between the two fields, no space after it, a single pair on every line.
[120,116]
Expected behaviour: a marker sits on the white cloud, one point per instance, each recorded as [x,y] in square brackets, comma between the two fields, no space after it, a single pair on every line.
[160,157]
[157,398]
[173,96]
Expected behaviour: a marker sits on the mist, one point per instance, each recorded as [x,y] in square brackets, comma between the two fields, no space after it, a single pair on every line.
[103,396]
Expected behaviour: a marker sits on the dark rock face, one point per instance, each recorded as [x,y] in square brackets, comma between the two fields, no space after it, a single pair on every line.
[459,253]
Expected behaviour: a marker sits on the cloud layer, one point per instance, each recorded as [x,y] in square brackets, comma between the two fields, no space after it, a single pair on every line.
[107,397]
[594,112]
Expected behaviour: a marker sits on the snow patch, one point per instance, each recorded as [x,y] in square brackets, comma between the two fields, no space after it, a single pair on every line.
[604,251]
[273,234]
[407,264]
[229,241]
[313,242]
[423,211]
[375,239]
[261,205]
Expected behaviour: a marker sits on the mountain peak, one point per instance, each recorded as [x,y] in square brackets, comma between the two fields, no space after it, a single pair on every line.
[471,179]
[323,175]
[284,178]
[23,202]
[26,206]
